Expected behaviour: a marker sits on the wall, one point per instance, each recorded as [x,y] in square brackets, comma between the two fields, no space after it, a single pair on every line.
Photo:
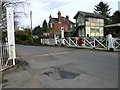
[57,27]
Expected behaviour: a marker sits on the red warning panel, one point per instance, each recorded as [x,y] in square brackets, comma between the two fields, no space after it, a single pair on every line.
[79,42]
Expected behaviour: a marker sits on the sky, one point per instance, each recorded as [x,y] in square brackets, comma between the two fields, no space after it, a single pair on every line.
[42,9]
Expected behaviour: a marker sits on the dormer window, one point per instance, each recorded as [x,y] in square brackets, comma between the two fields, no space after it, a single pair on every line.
[51,24]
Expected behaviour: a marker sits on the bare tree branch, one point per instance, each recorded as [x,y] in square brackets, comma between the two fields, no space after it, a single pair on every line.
[16,4]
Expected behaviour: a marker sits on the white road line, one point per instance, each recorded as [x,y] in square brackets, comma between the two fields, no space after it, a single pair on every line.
[49,54]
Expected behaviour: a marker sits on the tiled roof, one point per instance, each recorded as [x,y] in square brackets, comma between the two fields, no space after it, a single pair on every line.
[62,20]
[88,14]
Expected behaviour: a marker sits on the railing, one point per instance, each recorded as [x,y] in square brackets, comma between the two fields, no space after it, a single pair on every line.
[117,44]
[5,61]
[93,43]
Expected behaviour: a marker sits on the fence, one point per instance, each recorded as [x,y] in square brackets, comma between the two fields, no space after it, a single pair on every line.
[5,60]
[94,43]
[51,41]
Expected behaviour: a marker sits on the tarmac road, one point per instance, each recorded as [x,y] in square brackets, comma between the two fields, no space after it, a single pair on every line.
[98,69]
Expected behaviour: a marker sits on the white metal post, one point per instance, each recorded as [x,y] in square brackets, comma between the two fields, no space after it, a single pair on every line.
[76,41]
[55,38]
[62,36]
[0,38]
[0,57]
[10,34]
[94,43]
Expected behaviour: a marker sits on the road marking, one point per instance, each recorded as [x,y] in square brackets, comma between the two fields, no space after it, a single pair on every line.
[49,54]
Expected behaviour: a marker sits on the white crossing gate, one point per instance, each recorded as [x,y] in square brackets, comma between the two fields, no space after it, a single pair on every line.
[94,43]
[7,49]
[101,43]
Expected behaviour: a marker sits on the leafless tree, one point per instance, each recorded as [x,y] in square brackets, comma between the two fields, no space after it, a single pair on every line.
[19,7]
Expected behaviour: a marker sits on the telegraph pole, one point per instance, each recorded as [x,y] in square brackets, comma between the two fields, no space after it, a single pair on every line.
[31,25]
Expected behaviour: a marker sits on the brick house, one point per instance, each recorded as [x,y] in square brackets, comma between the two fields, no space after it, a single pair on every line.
[55,24]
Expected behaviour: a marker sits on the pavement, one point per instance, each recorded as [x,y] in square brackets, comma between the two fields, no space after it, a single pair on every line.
[97,69]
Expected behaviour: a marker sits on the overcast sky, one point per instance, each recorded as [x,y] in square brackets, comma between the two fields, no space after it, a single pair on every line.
[42,9]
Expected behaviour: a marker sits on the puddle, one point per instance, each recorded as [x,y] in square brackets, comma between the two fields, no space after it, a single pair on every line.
[67,74]
[4,80]
[59,73]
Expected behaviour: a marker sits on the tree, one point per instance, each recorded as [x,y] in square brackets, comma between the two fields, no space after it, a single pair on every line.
[103,9]
[27,30]
[44,26]
[16,4]
[22,37]
[39,32]
[115,17]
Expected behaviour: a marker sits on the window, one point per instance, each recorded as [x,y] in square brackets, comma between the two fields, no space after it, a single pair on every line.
[80,20]
[95,32]
[66,28]
[71,26]
[92,30]
[101,22]
[51,25]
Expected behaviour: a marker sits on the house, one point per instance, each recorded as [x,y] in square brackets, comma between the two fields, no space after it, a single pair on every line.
[55,24]
[89,24]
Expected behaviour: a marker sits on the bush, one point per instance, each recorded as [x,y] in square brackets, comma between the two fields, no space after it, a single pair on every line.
[22,37]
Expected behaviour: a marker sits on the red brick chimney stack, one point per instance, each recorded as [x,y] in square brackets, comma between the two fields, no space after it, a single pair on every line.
[67,17]
[59,15]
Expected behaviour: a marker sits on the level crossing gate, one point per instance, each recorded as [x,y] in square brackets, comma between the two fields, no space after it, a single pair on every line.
[101,43]
[94,43]
[7,47]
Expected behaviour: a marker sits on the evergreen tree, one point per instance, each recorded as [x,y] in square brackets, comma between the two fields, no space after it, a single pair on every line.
[44,26]
[39,32]
[115,17]
[103,9]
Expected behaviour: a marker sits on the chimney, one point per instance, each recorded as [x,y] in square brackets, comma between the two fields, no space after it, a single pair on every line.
[50,17]
[59,15]
[67,17]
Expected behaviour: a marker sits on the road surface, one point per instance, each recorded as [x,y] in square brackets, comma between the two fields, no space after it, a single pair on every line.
[96,69]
